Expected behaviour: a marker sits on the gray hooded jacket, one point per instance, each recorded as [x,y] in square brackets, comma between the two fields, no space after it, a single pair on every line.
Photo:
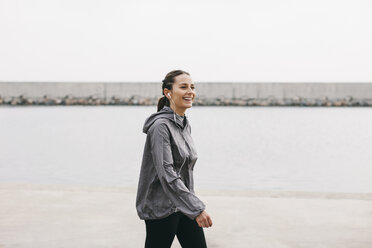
[165,185]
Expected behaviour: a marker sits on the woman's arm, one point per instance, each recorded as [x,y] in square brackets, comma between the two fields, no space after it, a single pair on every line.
[186,201]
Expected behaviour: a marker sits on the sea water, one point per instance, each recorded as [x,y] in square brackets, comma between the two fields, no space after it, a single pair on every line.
[321,149]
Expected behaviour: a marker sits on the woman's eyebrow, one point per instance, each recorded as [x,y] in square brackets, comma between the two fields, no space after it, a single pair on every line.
[186,84]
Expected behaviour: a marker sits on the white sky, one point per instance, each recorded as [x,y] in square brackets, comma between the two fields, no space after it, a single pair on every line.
[214,40]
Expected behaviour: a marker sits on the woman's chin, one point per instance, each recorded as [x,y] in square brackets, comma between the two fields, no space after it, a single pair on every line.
[185,105]
[188,105]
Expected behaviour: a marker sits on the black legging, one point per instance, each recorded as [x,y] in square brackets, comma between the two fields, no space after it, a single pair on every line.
[160,233]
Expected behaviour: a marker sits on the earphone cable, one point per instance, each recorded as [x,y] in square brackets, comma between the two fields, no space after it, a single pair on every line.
[184,146]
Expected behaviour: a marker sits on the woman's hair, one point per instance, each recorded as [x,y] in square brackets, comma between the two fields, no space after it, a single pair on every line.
[168,83]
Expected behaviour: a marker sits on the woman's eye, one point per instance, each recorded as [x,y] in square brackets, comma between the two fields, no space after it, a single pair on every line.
[183,87]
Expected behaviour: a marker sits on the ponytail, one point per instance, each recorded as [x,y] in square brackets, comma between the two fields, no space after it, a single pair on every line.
[163,101]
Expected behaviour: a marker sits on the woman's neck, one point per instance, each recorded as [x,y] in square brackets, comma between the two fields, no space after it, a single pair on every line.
[179,112]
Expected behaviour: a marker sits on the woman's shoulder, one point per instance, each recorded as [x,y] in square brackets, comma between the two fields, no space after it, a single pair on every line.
[161,123]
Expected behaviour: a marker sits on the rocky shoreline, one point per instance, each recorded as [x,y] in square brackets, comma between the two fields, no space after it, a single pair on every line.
[199,101]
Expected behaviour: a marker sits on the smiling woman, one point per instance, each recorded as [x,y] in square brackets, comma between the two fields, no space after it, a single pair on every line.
[179,89]
[165,196]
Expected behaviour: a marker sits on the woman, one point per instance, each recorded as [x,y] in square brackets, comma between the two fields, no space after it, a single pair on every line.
[165,198]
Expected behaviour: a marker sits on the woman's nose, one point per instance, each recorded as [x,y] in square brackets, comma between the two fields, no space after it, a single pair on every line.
[190,90]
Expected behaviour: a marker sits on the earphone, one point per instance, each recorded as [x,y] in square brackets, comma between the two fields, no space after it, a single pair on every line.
[169,95]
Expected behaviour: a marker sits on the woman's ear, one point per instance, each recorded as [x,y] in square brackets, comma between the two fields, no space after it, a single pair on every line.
[167,93]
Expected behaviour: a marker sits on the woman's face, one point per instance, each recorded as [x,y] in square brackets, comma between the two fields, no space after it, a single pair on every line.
[183,92]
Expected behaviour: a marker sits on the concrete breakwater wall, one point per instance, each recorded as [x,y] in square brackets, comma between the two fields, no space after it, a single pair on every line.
[237,94]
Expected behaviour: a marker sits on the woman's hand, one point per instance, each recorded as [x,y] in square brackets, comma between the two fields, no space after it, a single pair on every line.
[204,220]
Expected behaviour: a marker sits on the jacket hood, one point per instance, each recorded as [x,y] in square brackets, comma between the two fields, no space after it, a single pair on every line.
[167,113]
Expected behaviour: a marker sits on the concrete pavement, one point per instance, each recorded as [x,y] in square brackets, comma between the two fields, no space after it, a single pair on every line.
[47,216]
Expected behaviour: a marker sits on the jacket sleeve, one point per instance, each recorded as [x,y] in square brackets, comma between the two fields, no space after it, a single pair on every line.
[186,201]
